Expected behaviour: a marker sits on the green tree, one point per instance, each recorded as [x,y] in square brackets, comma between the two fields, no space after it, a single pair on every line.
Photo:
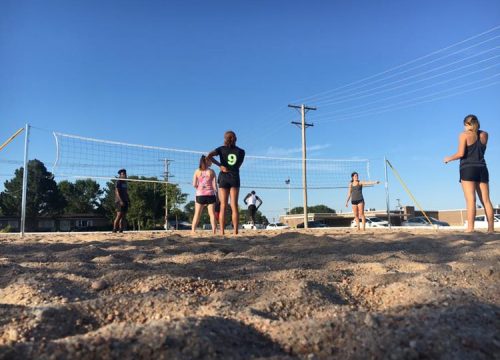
[43,196]
[82,197]
[189,214]
[259,217]
[147,203]
[323,209]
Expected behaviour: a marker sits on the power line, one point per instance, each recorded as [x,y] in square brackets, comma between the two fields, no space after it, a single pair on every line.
[395,107]
[357,95]
[326,98]
[399,66]
[407,92]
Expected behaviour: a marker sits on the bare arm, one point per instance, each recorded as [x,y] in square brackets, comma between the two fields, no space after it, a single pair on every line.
[348,195]
[215,162]
[369,183]
[117,193]
[195,179]
[260,202]
[214,182]
[483,136]
[462,143]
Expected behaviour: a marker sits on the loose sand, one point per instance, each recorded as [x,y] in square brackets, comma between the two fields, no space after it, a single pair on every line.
[311,294]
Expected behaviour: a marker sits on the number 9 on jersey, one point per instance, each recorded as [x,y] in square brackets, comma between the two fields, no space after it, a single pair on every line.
[231,159]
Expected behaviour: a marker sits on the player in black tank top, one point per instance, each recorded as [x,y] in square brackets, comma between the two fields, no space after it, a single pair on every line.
[355,193]
[474,175]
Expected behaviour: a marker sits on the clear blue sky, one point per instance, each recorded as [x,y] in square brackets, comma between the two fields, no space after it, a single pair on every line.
[152,72]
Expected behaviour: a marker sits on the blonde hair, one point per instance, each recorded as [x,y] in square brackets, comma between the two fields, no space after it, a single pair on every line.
[472,120]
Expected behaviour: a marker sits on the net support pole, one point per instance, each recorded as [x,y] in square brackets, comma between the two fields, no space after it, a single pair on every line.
[25,180]
[387,203]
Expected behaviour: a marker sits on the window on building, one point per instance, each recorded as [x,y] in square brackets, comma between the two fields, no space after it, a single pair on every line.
[45,224]
[84,223]
[13,223]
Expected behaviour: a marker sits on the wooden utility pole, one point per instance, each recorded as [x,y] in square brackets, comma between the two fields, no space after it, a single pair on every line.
[303,125]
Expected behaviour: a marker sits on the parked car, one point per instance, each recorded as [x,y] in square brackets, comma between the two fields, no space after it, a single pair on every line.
[230,226]
[181,225]
[480,221]
[277,226]
[312,224]
[372,221]
[250,226]
[422,221]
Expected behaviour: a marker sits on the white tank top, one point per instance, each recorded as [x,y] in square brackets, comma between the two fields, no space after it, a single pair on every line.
[252,200]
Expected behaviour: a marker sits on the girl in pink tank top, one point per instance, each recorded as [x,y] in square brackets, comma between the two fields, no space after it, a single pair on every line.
[204,181]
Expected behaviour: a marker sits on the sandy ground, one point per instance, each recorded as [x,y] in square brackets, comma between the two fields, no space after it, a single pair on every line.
[313,294]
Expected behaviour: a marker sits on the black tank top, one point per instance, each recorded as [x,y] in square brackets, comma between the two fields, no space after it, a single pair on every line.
[357,192]
[474,154]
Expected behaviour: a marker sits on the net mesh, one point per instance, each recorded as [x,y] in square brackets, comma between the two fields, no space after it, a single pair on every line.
[82,157]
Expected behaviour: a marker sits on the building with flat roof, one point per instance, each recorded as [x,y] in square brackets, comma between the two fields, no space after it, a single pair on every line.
[454,217]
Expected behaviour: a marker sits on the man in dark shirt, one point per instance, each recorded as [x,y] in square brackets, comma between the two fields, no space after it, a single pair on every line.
[122,202]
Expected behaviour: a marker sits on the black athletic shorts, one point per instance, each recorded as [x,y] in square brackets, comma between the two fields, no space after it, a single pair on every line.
[252,209]
[475,173]
[229,180]
[121,208]
[206,199]
[356,202]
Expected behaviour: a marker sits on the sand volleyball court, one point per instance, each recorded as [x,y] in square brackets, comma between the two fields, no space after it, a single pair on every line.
[315,294]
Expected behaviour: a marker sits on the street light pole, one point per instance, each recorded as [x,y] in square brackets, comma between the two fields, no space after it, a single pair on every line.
[289,197]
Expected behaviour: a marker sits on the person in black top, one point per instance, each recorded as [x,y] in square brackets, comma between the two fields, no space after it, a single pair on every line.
[230,157]
[122,202]
[474,174]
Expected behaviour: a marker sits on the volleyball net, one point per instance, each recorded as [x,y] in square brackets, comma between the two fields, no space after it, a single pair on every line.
[83,157]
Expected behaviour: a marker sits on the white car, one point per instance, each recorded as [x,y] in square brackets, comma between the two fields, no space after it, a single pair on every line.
[372,221]
[277,226]
[250,226]
[422,221]
[480,221]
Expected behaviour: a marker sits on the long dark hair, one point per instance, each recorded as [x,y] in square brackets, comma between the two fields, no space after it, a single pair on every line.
[203,163]
[230,138]
[352,176]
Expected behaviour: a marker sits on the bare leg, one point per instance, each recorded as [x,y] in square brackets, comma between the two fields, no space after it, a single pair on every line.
[356,215]
[469,188]
[117,224]
[223,196]
[234,193]
[213,222]
[196,218]
[483,191]
[123,222]
[361,211]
